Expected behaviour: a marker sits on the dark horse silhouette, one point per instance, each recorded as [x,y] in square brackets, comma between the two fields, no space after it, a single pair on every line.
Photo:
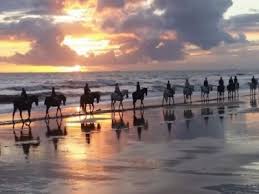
[139,96]
[89,100]
[220,92]
[233,90]
[54,101]
[22,104]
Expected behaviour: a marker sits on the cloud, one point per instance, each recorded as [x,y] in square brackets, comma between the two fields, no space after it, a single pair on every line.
[104,4]
[46,39]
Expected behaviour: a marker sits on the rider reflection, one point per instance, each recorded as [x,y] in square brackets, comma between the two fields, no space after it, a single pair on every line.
[169,118]
[221,112]
[89,127]
[26,139]
[55,133]
[140,123]
[119,124]
[206,112]
[188,115]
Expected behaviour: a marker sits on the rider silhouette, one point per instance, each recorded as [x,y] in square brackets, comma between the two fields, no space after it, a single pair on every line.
[221,82]
[187,84]
[138,87]
[235,80]
[53,92]
[205,83]
[254,80]
[168,86]
[24,94]
[117,90]
[86,89]
[231,82]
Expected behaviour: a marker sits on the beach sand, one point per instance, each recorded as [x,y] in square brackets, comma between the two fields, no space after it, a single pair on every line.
[198,148]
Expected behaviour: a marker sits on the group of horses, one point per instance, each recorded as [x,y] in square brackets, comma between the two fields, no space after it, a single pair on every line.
[23,104]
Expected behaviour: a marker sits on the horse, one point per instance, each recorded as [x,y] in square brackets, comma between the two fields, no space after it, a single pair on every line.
[187,93]
[168,96]
[220,92]
[205,91]
[54,101]
[89,100]
[231,90]
[139,96]
[115,97]
[22,104]
[253,87]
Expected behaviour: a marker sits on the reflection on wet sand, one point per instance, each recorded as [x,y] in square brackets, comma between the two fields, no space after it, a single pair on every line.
[206,112]
[253,101]
[26,139]
[88,127]
[56,133]
[140,123]
[118,124]
[169,118]
[188,115]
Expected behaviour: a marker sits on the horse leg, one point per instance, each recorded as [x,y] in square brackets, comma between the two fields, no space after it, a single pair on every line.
[134,104]
[47,113]
[57,112]
[29,114]
[21,115]
[14,111]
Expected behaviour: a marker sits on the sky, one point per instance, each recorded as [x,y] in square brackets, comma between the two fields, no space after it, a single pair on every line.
[128,35]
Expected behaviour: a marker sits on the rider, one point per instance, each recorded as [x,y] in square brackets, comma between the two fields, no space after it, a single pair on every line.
[254,81]
[221,82]
[24,94]
[206,83]
[168,86]
[138,87]
[235,80]
[117,90]
[187,84]
[86,89]
[231,82]
[53,92]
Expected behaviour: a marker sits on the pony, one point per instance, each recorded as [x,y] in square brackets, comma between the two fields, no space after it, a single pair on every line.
[187,93]
[22,104]
[168,95]
[89,100]
[139,96]
[54,101]
[115,97]
[205,91]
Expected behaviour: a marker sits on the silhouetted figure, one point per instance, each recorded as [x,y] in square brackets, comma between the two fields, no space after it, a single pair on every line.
[235,80]
[168,86]
[53,92]
[138,87]
[86,89]
[231,82]
[254,81]
[206,83]
[24,94]
[117,90]
[221,82]
[187,83]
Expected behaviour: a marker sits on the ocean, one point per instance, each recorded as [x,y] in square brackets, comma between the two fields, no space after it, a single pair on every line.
[71,84]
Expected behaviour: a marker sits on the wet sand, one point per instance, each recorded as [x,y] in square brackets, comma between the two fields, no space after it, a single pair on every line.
[198,148]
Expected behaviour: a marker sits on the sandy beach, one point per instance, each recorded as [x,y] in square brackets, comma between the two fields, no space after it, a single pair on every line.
[198,148]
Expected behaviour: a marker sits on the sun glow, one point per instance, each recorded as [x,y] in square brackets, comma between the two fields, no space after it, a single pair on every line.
[85,46]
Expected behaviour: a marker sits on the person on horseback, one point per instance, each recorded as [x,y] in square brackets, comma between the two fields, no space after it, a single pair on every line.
[235,80]
[138,87]
[53,92]
[117,90]
[221,82]
[168,86]
[206,83]
[24,94]
[86,89]
[187,84]
[231,82]
[254,81]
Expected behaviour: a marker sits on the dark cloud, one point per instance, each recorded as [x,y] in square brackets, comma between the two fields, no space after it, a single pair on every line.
[103,4]
[46,38]
[243,22]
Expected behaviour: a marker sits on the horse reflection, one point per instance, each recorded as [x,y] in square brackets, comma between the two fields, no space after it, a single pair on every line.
[221,112]
[89,127]
[169,118]
[26,139]
[140,123]
[119,124]
[55,133]
[253,101]
[206,112]
[188,115]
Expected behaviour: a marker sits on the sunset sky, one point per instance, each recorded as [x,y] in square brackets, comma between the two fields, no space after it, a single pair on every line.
[105,35]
